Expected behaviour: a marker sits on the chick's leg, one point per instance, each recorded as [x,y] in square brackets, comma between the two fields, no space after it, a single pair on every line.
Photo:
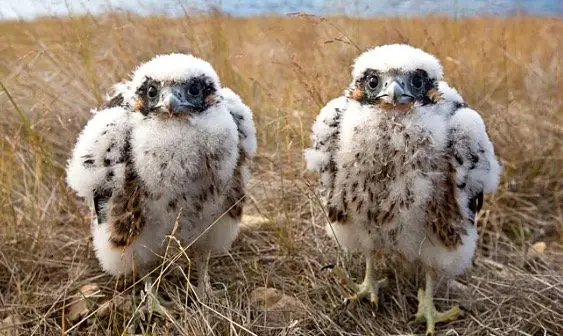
[203,287]
[154,303]
[427,311]
[203,290]
[369,288]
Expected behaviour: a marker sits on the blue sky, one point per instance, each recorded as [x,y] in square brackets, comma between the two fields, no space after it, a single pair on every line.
[10,9]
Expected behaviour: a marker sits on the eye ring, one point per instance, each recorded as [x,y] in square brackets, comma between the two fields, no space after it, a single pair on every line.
[417,81]
[195,89]
[152,92]
[373,82]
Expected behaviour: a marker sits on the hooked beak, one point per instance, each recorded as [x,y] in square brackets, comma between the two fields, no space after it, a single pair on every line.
[172,101]
[394,93]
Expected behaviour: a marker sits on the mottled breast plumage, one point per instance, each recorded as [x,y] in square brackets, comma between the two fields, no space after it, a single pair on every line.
[390,164]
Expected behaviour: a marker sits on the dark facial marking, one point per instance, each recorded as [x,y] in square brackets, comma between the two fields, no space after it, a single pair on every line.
[369,82]
[147,96]
[427,89]
[368,87]
[417,81]
[197,91]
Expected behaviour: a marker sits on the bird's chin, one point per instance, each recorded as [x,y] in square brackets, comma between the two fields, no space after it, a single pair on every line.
[398,107]
[165,115]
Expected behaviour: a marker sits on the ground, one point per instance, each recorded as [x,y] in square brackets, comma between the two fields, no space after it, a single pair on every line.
[52,71]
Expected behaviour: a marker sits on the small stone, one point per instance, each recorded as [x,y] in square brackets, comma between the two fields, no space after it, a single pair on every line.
[539,247]
[117,303]
[81,302]
[278,309]
[249,222]
[9,326]
[536,250]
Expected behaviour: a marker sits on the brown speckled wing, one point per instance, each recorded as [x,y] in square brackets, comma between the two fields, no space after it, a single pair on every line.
[235,195]
[126,217]
[328,143]
[443,215]
[125,211]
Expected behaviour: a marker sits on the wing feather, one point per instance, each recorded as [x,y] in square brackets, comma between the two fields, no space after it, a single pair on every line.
[477,169]
[242,116]
[325,138]
[118,95]
[96,167]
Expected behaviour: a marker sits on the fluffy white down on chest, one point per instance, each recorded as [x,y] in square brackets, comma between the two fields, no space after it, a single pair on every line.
[173,155]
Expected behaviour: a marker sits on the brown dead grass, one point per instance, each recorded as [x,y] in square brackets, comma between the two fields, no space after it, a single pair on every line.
[53,71]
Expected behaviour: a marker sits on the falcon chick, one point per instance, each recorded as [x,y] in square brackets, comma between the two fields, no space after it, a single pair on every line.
[170,147]
[403,165]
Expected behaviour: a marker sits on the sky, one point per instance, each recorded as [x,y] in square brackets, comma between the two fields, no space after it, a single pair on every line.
[28,9]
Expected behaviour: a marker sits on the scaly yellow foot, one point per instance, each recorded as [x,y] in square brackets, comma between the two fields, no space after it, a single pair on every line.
[427,311]
[368,289]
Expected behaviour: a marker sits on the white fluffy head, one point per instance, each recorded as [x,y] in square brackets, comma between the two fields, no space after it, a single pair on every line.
[171,77]
[397,57]
[165,68]
[174,67]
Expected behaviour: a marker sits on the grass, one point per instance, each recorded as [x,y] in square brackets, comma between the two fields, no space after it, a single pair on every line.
[54,70]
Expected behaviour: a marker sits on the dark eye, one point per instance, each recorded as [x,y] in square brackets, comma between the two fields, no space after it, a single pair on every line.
[195,88]
[373,82]
[417,81]
[152,92]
